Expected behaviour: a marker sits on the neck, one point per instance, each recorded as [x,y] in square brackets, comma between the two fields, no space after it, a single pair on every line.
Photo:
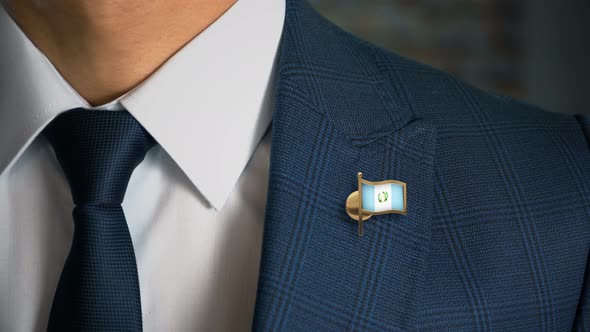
[104,48]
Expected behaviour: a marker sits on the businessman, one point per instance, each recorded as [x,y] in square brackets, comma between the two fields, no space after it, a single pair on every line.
[183,165]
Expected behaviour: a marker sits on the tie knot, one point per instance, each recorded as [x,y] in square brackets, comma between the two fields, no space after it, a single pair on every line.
[98,151]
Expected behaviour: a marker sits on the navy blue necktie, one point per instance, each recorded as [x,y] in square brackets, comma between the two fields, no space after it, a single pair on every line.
[99,288]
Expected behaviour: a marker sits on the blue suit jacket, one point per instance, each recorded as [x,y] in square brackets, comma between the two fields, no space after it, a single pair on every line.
[498,226]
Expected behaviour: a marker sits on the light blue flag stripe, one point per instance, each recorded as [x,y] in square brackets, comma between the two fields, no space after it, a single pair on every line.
[368,197]
[397,197]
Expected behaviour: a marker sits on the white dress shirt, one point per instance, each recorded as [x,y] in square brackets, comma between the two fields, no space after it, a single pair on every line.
[195,206]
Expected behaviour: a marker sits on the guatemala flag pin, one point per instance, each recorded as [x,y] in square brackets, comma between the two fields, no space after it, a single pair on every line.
[373,198]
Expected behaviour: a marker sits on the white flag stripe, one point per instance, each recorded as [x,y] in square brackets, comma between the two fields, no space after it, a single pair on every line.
[382,197]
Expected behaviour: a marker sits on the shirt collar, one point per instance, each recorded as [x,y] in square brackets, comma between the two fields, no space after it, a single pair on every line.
[208,106]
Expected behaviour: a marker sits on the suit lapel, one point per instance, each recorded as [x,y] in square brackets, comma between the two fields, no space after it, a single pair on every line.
[333,119]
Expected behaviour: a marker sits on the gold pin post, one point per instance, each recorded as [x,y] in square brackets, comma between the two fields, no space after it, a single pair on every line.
[360,202]
[354,206]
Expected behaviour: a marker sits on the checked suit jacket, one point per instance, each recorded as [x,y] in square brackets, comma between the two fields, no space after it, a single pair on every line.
[498,226]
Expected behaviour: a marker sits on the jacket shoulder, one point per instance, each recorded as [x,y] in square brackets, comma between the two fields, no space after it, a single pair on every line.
[366,89]
[428,92]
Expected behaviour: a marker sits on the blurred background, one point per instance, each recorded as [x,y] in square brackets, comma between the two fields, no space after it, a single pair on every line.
[535,50]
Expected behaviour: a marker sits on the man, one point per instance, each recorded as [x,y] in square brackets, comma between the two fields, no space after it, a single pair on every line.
[497,228]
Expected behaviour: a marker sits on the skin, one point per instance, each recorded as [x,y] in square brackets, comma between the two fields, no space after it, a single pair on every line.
[116,43]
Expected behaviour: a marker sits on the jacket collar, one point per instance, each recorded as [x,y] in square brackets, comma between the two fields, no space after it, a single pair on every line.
[211,97]
[341,109]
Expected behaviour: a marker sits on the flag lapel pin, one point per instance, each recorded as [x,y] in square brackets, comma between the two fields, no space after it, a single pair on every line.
[374,198]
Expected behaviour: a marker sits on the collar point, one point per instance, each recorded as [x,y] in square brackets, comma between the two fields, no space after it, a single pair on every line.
[217,202]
